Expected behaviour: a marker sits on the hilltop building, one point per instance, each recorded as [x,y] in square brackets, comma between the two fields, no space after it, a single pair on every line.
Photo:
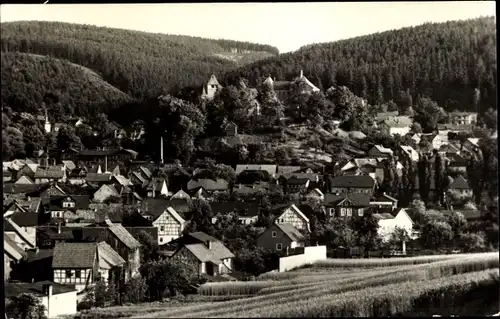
[210,88]
[282,88]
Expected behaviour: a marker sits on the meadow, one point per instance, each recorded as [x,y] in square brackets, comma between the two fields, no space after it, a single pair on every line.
[465,284]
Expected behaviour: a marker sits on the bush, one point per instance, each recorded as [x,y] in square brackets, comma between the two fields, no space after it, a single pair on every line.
[25,306]
[473,242]
[134,291]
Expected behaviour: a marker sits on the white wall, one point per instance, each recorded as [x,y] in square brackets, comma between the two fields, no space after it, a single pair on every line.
[400,130]
[62,304]
[311,254]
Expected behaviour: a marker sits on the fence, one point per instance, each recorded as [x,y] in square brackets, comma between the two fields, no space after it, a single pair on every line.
[310,255]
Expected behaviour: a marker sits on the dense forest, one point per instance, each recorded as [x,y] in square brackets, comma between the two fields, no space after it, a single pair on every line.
[140,64]
[453,63]
[30,81]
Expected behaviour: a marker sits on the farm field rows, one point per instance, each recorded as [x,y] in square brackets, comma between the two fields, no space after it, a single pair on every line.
[420,286]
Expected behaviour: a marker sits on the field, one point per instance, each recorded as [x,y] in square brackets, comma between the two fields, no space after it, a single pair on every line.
[465,284]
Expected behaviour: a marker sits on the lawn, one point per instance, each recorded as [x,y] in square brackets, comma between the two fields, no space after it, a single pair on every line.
[465,284]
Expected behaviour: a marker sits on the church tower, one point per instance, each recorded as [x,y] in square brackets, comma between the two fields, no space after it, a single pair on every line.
[47,125]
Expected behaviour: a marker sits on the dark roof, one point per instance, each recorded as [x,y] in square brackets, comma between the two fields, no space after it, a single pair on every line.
[456,160]
[282,85]
[107,152]
[51,172]
[25,219]
[459,183]
[156,182]
[208,184]
[288,169]
[158,205]
[39,255]
[297,181]
[124,236]
[11,188]
[244,209]
[359,181]
[469,214]
[383,216]
[359,200]
[74,255]
[15,289]
[146,171]
[202,237]
[97,178]
[292,232]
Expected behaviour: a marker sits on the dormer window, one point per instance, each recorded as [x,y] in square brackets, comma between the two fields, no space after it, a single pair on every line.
[68,205]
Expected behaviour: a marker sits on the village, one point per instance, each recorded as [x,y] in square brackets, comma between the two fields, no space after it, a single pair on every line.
[80,217]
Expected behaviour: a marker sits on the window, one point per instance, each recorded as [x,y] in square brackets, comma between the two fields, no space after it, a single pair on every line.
[332,211]
[342,211]
[68,274]
[360,212]
[161,239]
[162,228]
[47,242]
[279,246]
[274,234]
[78,274]
[349,211]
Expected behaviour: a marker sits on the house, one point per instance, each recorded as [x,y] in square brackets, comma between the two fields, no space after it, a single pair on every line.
[30,204]
[231,129]
[316,194]
[76,264]
[455,128]
[208,185]
[383,202]
[23,238]
[281,237]
[27,221]
[461,186]
[382,116]
[282,88]
[24,180]
[285,170]
[247,212]
[436,141]
[157,187]
[110,264]
[389,222]
[58,300]
[50,174]
[346,204]
[456,163]
[98,178]
[409,152]
[105,192]
[463,118]
[63,208]
[181,194]
[296,184]
[291,214]
[28,170]
[77,176]
[210,88]
[352,184]
[378,151]
[205,254]
[416,137]
[471,143]
[449,150]
[170,223]
[12,255]
[271,169]
[396,125]
[105,157]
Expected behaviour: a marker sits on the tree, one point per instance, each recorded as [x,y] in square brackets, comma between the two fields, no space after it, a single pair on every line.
[436,234]
[12,143]
[66,138]
[415,128]
[25,306]
[458,224]
[201,217]
[149,249]
[134,290]
[439,177]
[366,229]
[161,276]
[472,242]
[428,113]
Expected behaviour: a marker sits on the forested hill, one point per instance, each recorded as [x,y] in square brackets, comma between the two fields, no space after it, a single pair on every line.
[445,61]
[138,63]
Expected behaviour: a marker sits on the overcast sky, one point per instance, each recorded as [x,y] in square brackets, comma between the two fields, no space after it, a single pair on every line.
[286,26]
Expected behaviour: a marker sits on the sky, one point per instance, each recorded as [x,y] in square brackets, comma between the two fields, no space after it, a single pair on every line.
[287,26]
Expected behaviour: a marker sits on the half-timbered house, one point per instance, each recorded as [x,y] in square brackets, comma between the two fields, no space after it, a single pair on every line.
[76,264]
[291,214]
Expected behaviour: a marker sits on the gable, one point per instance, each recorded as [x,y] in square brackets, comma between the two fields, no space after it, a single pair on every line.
[293,211]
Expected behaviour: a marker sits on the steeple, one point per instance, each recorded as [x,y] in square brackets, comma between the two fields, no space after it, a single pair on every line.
[47,126]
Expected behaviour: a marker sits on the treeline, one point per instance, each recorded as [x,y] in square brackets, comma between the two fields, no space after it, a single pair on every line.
[444,61]
[140,64]
[32,82]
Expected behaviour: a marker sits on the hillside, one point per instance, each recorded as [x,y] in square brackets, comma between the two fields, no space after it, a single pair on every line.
[445,61]
[138,63]
[28,80]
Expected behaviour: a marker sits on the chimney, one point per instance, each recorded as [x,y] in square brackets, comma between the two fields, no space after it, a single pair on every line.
[209,245]
[301,74]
